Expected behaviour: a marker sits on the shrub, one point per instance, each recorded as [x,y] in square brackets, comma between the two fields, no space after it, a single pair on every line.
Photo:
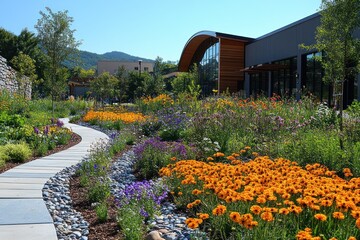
[151,157]
[98,191]
[18,152]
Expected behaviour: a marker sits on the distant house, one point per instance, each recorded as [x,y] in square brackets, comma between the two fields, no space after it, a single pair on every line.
[113,66]
[79,87]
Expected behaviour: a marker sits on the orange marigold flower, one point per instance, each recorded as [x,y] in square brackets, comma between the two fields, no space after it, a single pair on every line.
[338,215]
[261,200]
[219,154]
[210,159]
[173,159]
[284,211]
[320,217]
[357,223]
[219,210]
[190,205]
[256,209]
[235,217]
[197,201]
[355,214]
[267,216]
[352,238]
[196,192]
[203,216]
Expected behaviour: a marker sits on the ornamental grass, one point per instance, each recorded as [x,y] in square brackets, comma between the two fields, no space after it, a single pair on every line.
[126,117]
[266,199]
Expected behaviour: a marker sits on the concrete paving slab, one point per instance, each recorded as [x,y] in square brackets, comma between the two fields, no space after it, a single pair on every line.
[20,193]
[4,179]
[27,175]
[29,170]
[28,232]
[18,186]
[23,211]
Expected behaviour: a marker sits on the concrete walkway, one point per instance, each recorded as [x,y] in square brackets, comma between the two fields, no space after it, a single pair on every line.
[23,213]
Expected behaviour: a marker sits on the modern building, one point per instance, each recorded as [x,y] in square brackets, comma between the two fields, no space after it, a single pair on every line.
[273,63]
[113,66]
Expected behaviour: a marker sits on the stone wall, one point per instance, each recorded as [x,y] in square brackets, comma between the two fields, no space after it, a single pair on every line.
[8,79]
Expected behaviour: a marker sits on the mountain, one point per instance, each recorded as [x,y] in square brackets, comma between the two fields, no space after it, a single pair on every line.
[89,60]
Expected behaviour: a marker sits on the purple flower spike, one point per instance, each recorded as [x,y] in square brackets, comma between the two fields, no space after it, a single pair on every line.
[46,130]
[59,123]
[36,130]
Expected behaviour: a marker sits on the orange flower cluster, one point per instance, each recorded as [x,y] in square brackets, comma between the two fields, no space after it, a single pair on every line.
[127,117]
[219,210]
[259,104]
[280,183]
[163,99]
[245,220]
[193,222]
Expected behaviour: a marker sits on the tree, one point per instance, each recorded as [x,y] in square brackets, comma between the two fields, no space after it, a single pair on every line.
[25,66]
[122,87]
[187,82]
[334,37]
[59,44]
[104,87]
[7,44]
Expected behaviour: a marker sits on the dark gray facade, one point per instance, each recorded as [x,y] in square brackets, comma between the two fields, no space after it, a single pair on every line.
[284,44]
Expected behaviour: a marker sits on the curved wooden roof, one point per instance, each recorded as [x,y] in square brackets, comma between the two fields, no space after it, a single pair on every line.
[196,40]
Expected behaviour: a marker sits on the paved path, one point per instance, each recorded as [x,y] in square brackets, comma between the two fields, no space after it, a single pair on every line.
[23,213]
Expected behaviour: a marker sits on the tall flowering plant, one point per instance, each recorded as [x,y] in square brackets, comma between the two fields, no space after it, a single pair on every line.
[136,203]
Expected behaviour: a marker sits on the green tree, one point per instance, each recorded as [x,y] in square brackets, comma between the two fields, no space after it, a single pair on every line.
[104,87]
[187,82]
[122,76]
[153,85]
[59,44]
[334,38]
[25,66]
[7,44]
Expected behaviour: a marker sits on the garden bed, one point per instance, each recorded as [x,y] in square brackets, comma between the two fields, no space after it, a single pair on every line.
[75,139]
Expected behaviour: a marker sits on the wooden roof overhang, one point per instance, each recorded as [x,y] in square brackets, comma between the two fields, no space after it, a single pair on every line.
[264,68]
[196,41]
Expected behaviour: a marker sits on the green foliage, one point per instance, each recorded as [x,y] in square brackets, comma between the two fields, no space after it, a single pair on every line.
[18,152]
[130,222]
[25,66]
[104,86]
[98,191]
[58,42]
[354,109]
[316,146]
[102,211]
[3,156]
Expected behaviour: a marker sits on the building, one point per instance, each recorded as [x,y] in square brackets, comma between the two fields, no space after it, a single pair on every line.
[113,66]
[273,63]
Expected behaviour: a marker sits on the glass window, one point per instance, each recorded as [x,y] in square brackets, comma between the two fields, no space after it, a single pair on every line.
[209,66]
[283,81]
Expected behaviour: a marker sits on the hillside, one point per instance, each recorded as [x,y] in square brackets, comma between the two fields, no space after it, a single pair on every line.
[89,60]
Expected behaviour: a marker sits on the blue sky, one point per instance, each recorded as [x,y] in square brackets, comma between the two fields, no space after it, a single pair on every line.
[159,27]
